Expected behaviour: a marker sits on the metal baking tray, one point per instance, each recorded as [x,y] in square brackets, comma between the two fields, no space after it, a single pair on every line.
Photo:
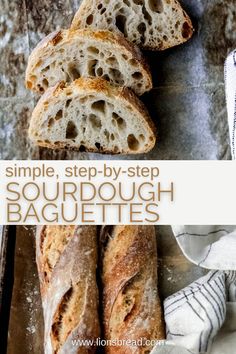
[7,259]
[25,318]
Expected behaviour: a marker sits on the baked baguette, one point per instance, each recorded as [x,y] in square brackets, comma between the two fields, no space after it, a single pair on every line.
[92,115]
[67,258]
[151,24]
[131,305]
[67,55]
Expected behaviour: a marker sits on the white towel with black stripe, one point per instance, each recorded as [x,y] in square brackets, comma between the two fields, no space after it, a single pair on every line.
[202,317]
[211,247]
[230,89]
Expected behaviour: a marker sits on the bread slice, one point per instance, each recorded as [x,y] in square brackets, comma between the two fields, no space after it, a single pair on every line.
[67,55]
[151,24]
[92,115]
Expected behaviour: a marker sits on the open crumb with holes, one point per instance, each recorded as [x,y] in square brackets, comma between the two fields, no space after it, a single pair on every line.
[67,55]
[92,115]
[151,24]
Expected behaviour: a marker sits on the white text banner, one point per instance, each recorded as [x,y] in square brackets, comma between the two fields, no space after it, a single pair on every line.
[118,192]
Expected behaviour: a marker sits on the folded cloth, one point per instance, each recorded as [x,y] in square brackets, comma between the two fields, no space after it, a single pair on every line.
[230,89]
[211,247]
[225,341]
[195,315]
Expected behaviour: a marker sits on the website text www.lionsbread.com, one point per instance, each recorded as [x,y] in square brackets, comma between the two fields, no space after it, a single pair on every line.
[99,342]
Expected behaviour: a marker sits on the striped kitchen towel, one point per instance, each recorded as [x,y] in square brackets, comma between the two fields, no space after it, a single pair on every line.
[196,317]
[230,89]
[211,247]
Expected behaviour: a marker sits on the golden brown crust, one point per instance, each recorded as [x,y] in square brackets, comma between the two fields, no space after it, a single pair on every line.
[66,258]
[52,243]
[57,38]
[131,303]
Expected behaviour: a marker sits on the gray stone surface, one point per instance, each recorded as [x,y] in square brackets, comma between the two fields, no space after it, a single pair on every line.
[187,103]
[14,120]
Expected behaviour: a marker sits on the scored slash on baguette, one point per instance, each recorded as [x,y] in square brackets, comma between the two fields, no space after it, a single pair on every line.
[92,115]
[67,55]
[151,24]
[131,303]
[66,259]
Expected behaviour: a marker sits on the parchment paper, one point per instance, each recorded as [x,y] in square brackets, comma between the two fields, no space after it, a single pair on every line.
[187,102]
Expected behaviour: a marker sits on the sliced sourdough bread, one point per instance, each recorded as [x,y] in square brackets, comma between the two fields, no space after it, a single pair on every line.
[151,24]
[67,55]
[92,115]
